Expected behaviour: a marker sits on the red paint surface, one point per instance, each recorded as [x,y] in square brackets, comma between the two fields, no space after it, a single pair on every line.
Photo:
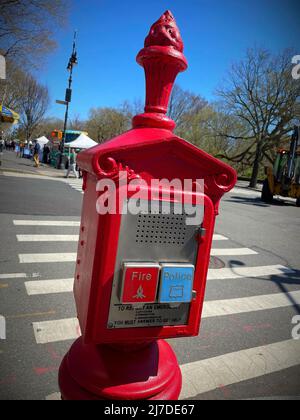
[45,370]
[53,354]
[90,372]
[10,379]
[225,391]
[252,328]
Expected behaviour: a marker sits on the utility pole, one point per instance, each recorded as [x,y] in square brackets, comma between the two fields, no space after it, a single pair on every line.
[72,62]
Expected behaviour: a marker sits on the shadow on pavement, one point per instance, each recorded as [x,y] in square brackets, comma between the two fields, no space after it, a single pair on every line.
[279,280]
[256,201]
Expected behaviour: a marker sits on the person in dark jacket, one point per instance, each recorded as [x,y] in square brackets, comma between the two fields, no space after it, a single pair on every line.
[36,154]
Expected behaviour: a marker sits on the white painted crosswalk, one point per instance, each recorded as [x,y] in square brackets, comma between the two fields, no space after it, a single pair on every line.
[71,257]
[46,223]
[47,258]
[52,331]
[75,238]
[200,376]
[74,183]
[250,304]
[219,252]
[237,272]
[13,276]
[44,287]
[218,237]
[228,369]
[47,238]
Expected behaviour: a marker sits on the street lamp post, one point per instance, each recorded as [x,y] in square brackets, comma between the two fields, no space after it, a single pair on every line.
[72,62]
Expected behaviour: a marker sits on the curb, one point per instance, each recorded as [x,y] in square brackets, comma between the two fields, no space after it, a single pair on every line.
[28,173]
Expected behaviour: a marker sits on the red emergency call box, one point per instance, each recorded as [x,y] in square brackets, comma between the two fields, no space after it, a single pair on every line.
[149,207]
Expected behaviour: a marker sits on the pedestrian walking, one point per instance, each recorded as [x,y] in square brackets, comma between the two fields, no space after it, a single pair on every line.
[22,147]
[36,154]
[72,164]
[1,149]
[46,154]
[2,143]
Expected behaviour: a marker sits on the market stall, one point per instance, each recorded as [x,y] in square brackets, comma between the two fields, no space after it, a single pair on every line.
[82,142]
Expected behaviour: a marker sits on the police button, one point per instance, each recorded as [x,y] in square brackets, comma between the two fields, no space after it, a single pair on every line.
[140,282]
[176,285]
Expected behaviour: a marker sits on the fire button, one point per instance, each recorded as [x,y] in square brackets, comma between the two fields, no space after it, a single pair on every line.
[140,281]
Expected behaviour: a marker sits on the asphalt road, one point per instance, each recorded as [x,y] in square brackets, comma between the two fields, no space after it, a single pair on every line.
[245,349]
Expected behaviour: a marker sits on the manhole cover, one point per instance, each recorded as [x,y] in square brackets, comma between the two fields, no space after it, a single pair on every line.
[216,263]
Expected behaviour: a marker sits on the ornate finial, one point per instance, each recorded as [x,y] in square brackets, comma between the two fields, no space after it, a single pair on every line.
[162,59]
[165,32]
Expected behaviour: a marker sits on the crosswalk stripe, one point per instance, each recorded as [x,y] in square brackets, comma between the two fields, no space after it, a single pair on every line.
[47,258]
[13,276]
[218,237]
[48,238]
[43,287]
[58,330]
[45,223]
[66,285]
[241,272]
[250,304]
[56,396]
[71,257]
[26,238]
[66,329]
[232,368]
[232,251]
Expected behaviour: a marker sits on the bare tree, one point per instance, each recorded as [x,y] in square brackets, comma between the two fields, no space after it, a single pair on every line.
[261,93]
[132,108]
[27,28]
[47,125]
[33,103]
[105,123]
[182,103]
[9,93]
[76,123]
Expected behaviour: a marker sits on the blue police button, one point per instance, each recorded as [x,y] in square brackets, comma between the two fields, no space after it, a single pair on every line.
[176,285]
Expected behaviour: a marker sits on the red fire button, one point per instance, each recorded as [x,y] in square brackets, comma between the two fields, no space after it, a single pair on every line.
[140,281]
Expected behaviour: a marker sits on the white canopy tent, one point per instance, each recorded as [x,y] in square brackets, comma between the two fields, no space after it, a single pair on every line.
[82,142]
[42,141]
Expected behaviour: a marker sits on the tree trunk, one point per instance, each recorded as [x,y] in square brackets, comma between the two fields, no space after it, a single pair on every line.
[255,168]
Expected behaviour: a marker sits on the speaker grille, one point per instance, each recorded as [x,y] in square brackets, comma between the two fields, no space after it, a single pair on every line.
[161,229]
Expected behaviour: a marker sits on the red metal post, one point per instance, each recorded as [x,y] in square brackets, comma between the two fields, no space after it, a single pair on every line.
[112,359]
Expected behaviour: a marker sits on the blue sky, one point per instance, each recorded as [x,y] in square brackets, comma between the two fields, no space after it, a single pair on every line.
[215,33]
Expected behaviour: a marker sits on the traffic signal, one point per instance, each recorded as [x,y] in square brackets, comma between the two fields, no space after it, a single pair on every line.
[57,134]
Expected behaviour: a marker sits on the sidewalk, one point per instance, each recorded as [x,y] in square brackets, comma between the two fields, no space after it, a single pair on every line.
[245,185]
[12,163]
